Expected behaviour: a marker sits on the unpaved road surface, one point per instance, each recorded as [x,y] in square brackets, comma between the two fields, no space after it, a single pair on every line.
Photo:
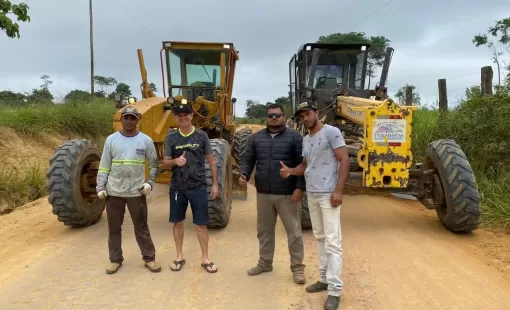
[396,256]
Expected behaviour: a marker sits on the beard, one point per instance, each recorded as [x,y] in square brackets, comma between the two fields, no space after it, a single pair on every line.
[311,124]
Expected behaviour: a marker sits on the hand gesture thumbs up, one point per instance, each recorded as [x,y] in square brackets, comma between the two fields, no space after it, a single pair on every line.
[181,160]
[284,171]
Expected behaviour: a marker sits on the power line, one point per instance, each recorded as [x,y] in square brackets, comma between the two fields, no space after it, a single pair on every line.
[380,8]
[134,17]
[461,76]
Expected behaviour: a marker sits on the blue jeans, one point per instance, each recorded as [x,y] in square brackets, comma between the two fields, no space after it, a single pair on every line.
[196,197]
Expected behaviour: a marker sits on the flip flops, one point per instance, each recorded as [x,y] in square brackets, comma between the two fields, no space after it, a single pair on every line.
[210,265]
[179,264]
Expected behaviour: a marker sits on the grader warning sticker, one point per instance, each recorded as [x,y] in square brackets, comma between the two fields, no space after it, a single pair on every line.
[389,130]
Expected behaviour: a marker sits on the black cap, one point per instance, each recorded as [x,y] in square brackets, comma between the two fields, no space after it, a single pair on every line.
[182,108]
[305,106]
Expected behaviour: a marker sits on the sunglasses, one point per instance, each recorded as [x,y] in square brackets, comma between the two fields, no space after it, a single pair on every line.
[277,115]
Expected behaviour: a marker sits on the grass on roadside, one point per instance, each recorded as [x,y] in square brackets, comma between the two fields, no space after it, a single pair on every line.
[20,187]
[82,118]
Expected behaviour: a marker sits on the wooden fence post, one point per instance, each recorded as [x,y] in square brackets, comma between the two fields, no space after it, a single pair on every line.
[486,85]
[409,95]
[443,97]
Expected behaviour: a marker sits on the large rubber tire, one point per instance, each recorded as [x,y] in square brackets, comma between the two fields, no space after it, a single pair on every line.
[306,222]
[461,206]
[73,206]
[219,208]
[241,140]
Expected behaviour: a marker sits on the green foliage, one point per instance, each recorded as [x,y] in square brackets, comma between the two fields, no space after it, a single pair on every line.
[8,97]
[153,86]
[401,95]
[20,187]
[481,126]
[93,118]
[376,52]
[19,10]
[123,90]
[40,96]
[78,95]
[46,82]
[104,83]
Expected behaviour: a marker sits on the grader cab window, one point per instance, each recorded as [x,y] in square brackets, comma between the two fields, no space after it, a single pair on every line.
[337,67]
[194,73]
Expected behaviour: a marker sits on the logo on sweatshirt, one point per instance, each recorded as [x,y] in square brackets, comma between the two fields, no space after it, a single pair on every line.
[140,151]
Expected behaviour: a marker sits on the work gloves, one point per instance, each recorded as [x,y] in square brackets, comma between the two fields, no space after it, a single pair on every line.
[102,194]
[146,189]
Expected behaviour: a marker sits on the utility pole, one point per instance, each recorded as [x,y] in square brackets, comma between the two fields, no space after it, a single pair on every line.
[91,52]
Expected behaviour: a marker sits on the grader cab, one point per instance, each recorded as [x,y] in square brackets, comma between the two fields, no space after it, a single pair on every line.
[378,134]
[197,74]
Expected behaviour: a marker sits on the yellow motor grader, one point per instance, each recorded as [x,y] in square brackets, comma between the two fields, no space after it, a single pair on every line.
[198,74]
[378,134]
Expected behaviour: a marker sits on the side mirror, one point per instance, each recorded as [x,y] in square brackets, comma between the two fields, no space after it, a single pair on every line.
[234,100]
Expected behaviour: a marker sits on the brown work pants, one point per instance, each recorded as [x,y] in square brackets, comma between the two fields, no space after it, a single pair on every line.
[115,209]
[268,209]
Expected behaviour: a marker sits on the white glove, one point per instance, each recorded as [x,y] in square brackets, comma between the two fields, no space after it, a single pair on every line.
[102,194]
[146,189]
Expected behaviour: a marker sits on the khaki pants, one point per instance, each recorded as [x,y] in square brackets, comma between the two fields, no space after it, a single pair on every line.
[115,209]
[268,209]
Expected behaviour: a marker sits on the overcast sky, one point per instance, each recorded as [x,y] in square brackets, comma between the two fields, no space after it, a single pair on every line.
[432,40]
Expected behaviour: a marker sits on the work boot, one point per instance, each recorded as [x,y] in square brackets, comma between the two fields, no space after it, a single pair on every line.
[331,303]
[317,287]
[298,272]
[259,269]
[153,266]
[299,276]
[112,268]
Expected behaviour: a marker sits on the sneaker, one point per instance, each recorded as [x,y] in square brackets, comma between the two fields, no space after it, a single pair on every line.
[317,287]
[259,269]
[331,303]
[112,268]
[153,266]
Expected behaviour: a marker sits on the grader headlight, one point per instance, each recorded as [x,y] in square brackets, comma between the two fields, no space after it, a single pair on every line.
[131,100]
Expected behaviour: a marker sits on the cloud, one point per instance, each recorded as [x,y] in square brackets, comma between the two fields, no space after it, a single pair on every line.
[432,40]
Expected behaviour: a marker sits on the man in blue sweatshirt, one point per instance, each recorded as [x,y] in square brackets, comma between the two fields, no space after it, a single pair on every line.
[121,181]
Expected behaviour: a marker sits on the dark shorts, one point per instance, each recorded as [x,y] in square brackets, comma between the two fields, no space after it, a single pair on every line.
[196,197]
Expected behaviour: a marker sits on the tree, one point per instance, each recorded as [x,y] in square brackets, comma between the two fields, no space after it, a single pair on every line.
[40,96]
[104,83]
[123,90]
[255,110]
[376,52]
[153,86]
[286,104]
[482,39]
[500,31]
[401,95]
[46,82]
[6,24]
[77,96]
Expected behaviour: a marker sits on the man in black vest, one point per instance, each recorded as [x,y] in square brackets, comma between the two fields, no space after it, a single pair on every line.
[269,148]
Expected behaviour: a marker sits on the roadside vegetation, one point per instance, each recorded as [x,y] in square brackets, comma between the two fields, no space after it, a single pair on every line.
[91,119]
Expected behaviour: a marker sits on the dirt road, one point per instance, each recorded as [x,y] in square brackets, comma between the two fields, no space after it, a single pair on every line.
[396,256]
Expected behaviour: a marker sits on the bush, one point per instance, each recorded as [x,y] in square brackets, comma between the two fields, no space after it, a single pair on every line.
[481,126]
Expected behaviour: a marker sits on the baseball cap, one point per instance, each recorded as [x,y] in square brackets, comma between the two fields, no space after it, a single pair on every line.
[305,106]
[182,108]
[130,110]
